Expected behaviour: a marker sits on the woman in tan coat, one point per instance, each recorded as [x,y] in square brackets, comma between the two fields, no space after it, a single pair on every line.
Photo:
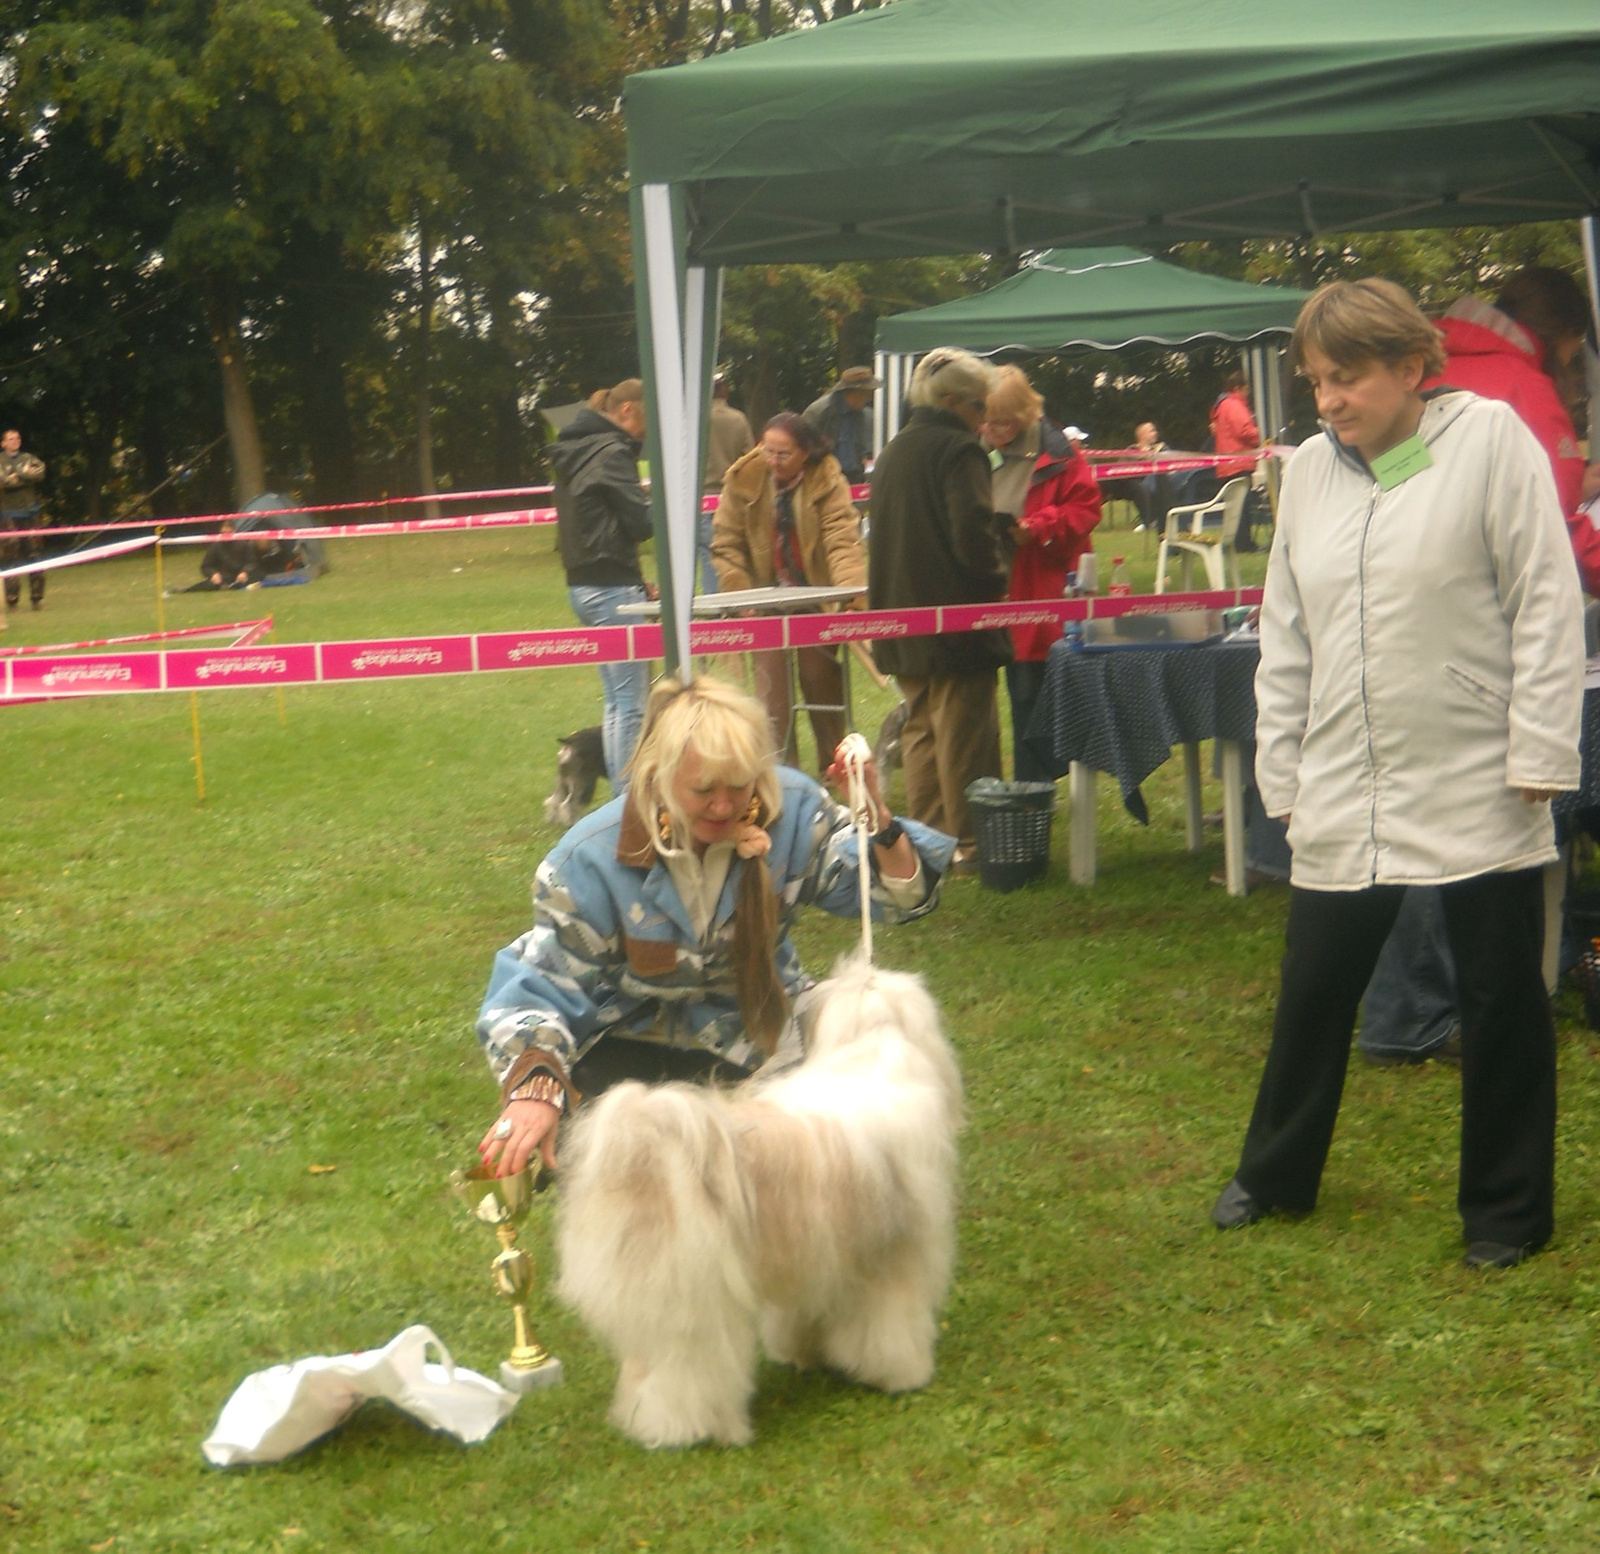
[785,519]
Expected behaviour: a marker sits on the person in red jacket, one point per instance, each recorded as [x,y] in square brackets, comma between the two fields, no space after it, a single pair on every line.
[1044,493]
[1513,352]
[1233,427]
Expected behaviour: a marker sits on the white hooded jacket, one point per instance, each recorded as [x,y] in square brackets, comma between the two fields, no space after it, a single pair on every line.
[1421,657]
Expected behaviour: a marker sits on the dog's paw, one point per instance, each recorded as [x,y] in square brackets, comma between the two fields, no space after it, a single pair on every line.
[662,1409]
[666,1429]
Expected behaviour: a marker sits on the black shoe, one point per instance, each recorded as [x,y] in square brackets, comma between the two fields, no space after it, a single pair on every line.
[1235,1207]
[1495,1254]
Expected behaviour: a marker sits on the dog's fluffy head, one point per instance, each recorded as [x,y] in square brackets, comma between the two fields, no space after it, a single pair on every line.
[861,1000]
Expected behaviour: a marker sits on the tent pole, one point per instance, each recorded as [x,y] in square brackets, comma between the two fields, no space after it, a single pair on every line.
[1256,370]
[880,370]
[1589,229]
[661,350]
[702,325]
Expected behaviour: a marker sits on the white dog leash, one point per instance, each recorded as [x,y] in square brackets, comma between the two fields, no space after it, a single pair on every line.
[854,753]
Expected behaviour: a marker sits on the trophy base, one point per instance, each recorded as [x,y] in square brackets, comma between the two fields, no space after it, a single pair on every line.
[534,1379]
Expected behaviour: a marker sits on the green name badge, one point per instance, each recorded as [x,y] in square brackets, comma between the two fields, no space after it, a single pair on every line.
[1400,463]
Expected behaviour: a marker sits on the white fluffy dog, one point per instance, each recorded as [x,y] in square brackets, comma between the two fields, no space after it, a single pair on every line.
[814,1208]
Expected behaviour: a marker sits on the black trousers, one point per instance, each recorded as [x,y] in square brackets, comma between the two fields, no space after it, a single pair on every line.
[1024,685]
[613,1059]
[1495,924]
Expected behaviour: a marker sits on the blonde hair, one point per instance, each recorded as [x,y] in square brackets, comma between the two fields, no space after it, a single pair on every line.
[949,373]
[729,731]
[1371,320]
[628,392]
[1013,398]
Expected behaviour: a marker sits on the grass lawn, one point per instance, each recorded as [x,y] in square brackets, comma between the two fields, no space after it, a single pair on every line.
[199,1004]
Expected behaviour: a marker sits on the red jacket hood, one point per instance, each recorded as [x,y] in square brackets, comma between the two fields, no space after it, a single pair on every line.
[1462,337]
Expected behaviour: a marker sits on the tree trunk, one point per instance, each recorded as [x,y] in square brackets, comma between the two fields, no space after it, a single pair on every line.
[856,332]
[155,462]
[323,299]
[101,444]
[425,476]
[761,390]
[238,408]
[504,389]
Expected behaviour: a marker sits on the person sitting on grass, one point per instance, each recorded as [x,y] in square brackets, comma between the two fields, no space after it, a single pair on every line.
[247,561]
[660,945]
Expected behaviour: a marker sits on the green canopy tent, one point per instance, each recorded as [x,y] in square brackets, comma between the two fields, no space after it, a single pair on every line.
[1106,298]
[940,126]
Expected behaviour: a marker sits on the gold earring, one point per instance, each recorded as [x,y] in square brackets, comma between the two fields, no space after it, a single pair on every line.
[752,815]
[664,826]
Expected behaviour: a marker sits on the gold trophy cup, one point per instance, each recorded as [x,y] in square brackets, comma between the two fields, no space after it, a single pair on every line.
[504,1201]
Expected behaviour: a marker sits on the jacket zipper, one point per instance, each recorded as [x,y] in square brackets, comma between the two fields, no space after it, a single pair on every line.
[1366,710]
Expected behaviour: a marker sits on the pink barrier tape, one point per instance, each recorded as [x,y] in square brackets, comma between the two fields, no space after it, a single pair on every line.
[277,512]
[98,553]
[355,531]
[1172,604]
[1129,464]
[253,633]
[222,630]
[325,663]
[514,519]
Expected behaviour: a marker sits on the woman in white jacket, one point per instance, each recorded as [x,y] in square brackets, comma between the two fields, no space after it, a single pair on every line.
[1419,702]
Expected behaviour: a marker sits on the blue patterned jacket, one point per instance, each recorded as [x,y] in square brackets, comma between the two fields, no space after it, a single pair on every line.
[613,948]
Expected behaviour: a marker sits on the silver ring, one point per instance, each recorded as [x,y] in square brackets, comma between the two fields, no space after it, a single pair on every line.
[502,1129]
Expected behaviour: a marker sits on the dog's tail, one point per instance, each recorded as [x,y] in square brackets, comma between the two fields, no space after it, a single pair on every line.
[657,1225]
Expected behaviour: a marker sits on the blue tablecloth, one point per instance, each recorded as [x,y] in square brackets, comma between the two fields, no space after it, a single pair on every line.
[1588,794]
[1122,710]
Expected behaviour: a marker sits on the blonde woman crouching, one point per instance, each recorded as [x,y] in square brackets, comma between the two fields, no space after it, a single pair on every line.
[660,945]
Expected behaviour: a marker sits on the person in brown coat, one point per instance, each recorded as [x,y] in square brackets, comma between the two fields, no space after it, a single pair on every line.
[934,539]
[785,519]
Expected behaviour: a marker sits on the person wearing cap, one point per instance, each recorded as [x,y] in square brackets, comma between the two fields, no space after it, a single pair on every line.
[841,416]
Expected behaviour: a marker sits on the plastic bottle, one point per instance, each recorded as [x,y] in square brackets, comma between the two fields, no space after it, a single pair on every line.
[1120,585]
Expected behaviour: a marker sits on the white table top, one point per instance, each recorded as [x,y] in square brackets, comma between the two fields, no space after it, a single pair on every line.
[763,601]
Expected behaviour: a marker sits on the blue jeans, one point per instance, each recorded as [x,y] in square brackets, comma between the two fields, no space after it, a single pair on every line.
[626,685]
[1411,1004]
[708,573]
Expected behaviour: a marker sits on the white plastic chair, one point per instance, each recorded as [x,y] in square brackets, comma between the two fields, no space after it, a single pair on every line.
[1206,530]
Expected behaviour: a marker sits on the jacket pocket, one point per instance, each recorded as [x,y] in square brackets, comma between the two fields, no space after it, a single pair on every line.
[1477,690]
[651,957]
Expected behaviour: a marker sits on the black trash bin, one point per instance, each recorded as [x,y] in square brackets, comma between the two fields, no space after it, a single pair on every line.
[1583,923]
[1012,822]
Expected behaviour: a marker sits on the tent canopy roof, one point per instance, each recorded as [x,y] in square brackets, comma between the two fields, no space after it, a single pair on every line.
[939,126]
[1106,297]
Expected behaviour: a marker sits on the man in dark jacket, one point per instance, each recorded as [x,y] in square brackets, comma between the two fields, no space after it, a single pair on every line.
[602,516]
[934,539]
